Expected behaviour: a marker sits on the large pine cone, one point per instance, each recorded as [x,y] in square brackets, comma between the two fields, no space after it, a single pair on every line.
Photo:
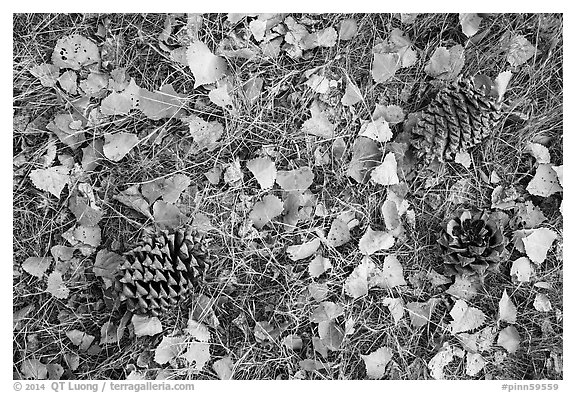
[460,116]
[161,271]
[472,244]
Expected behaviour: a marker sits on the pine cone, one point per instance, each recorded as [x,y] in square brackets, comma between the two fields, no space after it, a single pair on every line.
[459,117]
[161,272]
[472,244]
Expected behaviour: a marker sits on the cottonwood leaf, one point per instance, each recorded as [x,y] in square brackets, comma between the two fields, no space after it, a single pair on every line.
[168,349]
[204,312]
[528,215]
[331,334]
[421,312]
[304,250]
[258,29]
[265,210]
[116,146]
[396,308]
[373,241]
[205,134]
[55,371]
[88,235]
[174,186]
[109,333]
[80,339]
[442,359]
[389,211]
[95,84]
[393,114]
[326,312]
[34,369]
[198,330]
[221,95]
[542,303]
[538,243]
[352,95]
[376,362]
[223,368]
[319,346]
[365,156]
[318,291]
[545,182]
[167,215]
[384,66]
[356,284]
[233,174]
[318,83]
[539,152]
[445,63]
[106,266]
[56,286]
[386,174]
[65,127]
[470,23]
[408,18]
[121,103]
[318,124]
[465,318]
[463,158]
[47,73]
[252,89]
[560,173]
[501,83]
[205,66]
[506,309]
[318,266]
[132,198]
[295,180]
[521,270]
[464,287]
[509,339]
[339,233]
[292,341]
[36,266]
[391,275]
[323,38]
[214,174]
[52,180]
[161,104]
[264,170]
[377,130]
[474,363]
[72,360]
[348,29]
[75,51]
[480,341]
[198,354]
[92,155]
[146,326]
[520,50]
[62,253]
[313,365]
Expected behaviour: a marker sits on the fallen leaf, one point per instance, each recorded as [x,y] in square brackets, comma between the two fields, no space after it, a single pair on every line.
[214,175]
[509,339]
[318,83]
[377,130]
[304,250]
[386,174]
[464,287]
[545,182]
[52,180]
[106,266]
[95,84]
[318,266]
[37,266]
[174,186]
[203,311]
[480,341]
[72,360]
[384,66]
[465,318]
[146,325]
[252,89]
[233,173]
[75,51]
[396,308]
[331,334]
[501,83]
[521,270]
[542,303]
[161,104]
[326,312]
[339,233]
[116,146]
[528,216]
[198,354]
[167,215]
[352,94]
[356,284]
[445,63]
[560,173]
[121,103]
[470,23]
[205,134]
[463,158]
[93,155]
[408,18]
[442,359]
[520,50]
[168,349]
[391,275]
[389,211]
[365,156]
[221,95]
[313,365]
[265,210]
[538,243]
[258,29]
[47,73]
[55,371]
[506,309]
[56,286]
[373,241]
[293,342]
[421,312]
[474,363]
[539,152]
[376,362]
[318,124]
[264,170]
[33,369]
[132,198]
[393,114]
[80,339]
[323,38]
[318,291]
[205,66]
[348,29]
[64,126]
[223,368]
[109,333]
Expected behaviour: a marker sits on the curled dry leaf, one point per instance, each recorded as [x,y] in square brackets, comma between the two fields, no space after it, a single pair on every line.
[506,309]
[520,50]
[304,250]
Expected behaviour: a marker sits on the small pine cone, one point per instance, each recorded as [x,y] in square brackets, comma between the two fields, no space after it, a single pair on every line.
[460,117]
[471,243]
[161,271]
